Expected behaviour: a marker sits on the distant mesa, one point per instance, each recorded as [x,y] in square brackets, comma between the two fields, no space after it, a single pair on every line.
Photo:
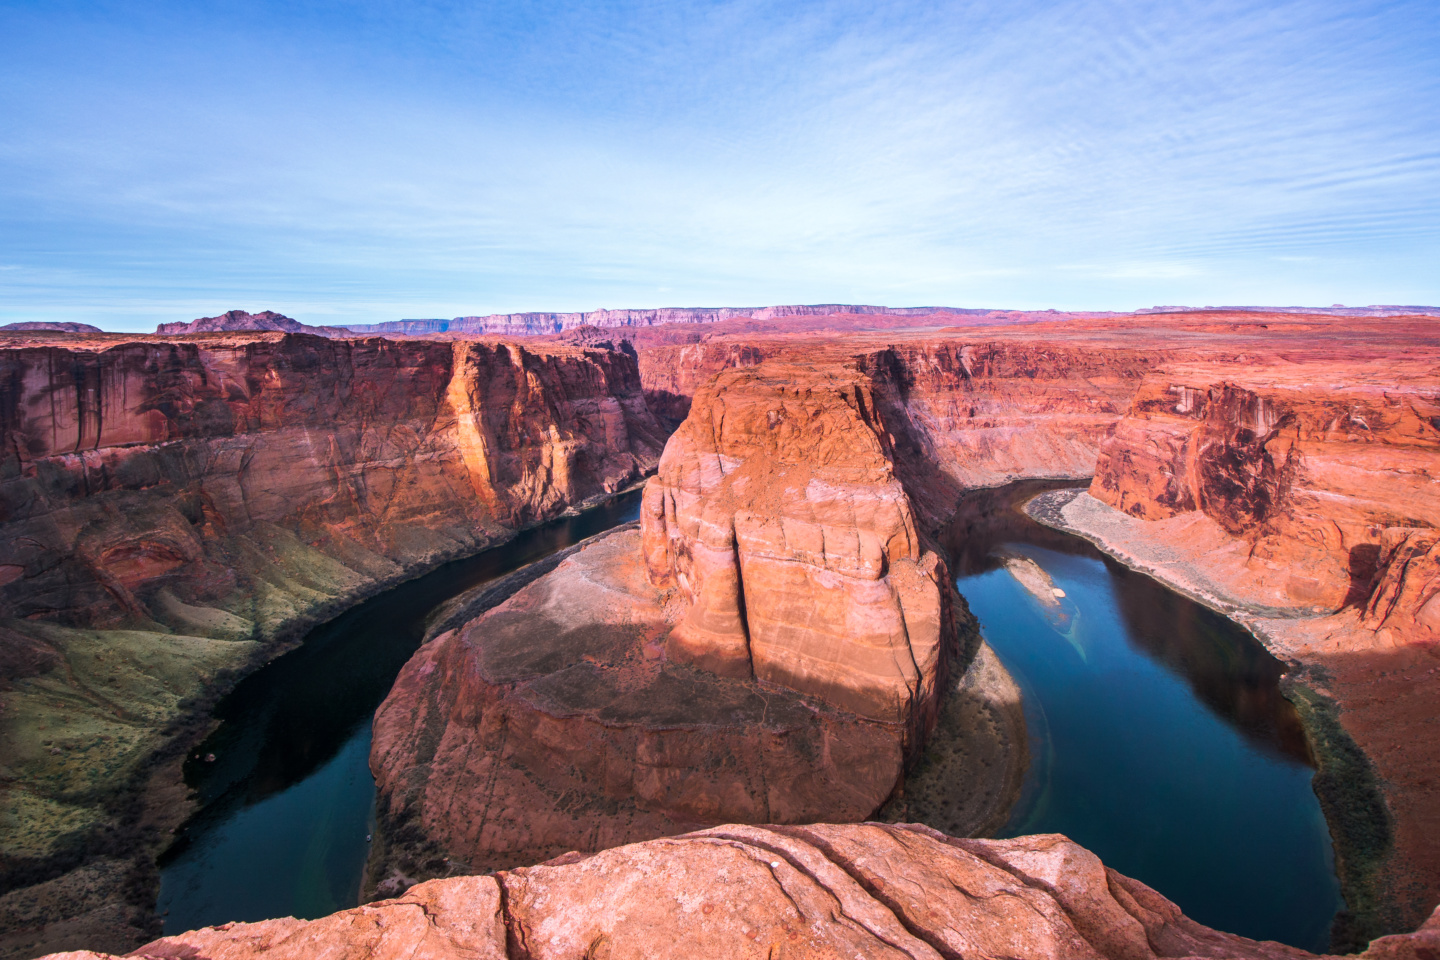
[512,324]
[1335,310]
[239,320]
[52,326]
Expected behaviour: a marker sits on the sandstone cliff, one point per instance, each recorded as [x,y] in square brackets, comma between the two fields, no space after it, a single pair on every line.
[978,409]
[771,646]
[778,514]
[171,510]
[864,890]
[1327,485]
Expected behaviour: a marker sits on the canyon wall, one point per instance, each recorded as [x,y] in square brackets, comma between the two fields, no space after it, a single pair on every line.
[1293,486]
[1328,488]
[171,510]
[968,410]
[784,558]
[804,893]
[134,474]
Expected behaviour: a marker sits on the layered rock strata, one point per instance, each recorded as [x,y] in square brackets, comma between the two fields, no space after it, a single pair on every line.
[864,890]
[1301,499]
[555,722]
[1327,490]
[977,409]
[771,646]
[778,514]
[172,510]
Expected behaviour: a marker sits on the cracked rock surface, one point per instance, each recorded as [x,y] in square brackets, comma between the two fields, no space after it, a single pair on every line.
[859,890]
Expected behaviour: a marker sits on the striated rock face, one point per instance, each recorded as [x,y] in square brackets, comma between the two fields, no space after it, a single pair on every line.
[171,510]
[777,513]
[975,410]
[1405,591]
[863,890]
[144,466]
[982,413]
[1324,484]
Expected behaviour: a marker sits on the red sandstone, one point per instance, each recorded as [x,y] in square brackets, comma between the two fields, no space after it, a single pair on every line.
[866,890]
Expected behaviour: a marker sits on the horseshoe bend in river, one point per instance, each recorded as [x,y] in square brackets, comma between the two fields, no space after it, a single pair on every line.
[1159,737]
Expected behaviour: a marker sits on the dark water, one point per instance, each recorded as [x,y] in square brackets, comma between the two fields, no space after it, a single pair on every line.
[288,802]
[1158,734]
[1159,738]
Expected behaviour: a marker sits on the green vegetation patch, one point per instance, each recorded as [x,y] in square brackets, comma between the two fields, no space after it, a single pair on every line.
[1361,827]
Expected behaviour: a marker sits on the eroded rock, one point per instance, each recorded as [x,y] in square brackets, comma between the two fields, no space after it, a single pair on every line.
[822,891]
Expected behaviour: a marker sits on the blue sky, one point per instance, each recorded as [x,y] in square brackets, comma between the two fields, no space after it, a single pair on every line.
[370,161]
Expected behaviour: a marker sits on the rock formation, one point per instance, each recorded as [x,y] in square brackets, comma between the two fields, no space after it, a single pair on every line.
[977,409]
[171,510]
[1312,478]
[50,326]
[1295,491]
[778,514]
[555,722]
[238,321]
[864,890]
[771,646]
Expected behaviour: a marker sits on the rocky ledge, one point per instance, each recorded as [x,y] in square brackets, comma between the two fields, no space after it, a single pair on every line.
[868,891]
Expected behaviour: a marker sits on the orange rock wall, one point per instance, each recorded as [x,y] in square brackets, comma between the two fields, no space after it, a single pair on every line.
[131,466]
[777,513]
[1333,486]
[968,410]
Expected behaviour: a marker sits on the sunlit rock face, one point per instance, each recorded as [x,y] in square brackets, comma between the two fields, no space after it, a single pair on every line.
[968,411]
[823,891]
[777,514]
[1329,484]
[145,477]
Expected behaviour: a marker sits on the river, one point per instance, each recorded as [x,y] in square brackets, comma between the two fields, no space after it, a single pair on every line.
[287,804]
[1158,737]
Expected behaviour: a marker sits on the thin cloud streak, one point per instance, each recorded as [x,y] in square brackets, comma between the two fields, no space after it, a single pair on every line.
[362,162]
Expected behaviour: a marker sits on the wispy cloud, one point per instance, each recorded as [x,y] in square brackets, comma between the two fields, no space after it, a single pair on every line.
[366,161]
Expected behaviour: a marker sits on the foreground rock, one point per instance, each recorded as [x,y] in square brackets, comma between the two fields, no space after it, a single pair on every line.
[864,890]
[171,511]
[772,646]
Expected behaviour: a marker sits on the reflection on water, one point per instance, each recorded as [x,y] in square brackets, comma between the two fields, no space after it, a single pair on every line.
[1159,737]
[288,800]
